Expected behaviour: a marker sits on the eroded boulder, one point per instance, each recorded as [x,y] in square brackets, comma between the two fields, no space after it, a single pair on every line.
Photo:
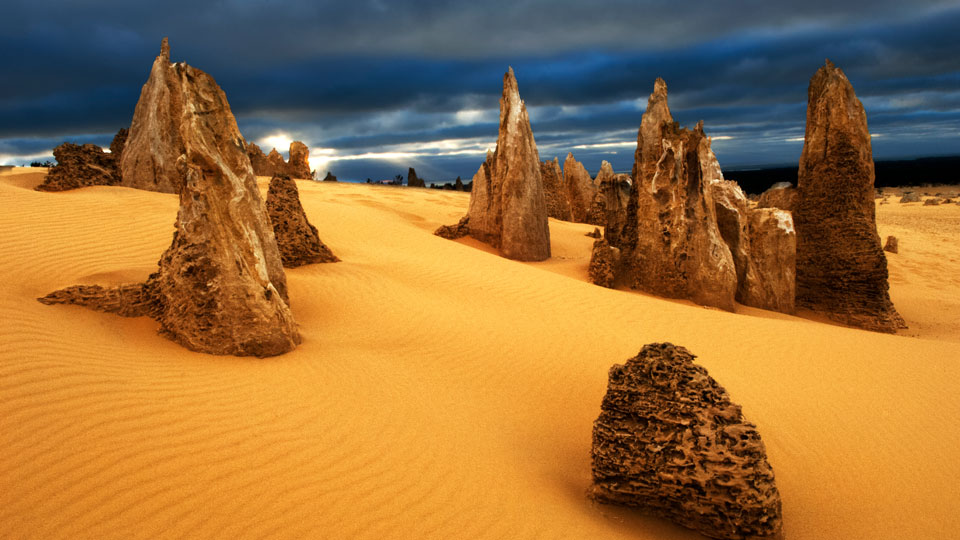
[220,286]
[508,209]
[841,269]
[81,166]
[297,239]
[670,440]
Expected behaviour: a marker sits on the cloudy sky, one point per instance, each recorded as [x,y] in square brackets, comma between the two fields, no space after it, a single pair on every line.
[376,86]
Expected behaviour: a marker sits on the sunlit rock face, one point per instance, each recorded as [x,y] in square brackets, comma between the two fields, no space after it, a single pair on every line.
[841,268]
[670,440]
[508,209]
[220,286]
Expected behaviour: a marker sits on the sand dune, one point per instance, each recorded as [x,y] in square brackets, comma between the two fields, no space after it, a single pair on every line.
[441,391]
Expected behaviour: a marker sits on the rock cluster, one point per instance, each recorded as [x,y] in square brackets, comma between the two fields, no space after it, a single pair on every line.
[220,286]
[558,207]
[508,208]
[841,269]
[781,195]
[87,165]
[413,180]
[297,239]
[670,440]
[273,164]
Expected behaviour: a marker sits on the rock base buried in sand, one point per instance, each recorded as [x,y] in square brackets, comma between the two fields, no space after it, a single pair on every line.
[452,232]
[297,239]
[892,245]
[87,165]
[670,441]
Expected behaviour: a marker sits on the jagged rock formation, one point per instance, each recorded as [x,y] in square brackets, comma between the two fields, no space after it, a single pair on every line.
[841,269]
[670,440]
[220,286]
[298,166]
[603,263]
[732,210]
[579,189]
[892,245]
[508,209]
[258,160]
[297,239]
[773,258]
[558,207]
[910,197]
[80,166]
[329,177]
[609,207]
[413,181]
[781,195]
[458,184]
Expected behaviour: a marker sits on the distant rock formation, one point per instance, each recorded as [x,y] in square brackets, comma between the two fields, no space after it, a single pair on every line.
[297,239]
[558,207]
[458,184]
[220,286]
[892,245]
[781,195]
[841,269]
[670,440]
[931,202]
[579,188]
[413,180]
[508,209]
[80,166]
[910,197]
[452,232]
[329,177]
[258,160]
[298,166]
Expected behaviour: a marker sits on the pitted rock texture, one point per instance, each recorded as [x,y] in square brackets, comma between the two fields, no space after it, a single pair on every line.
[413,180]
[841,269]
[508,209]
[297,239]
[579,189]
[670,440]
[220,286]
[609,208]
[81,166]
[603,263]
[892,245]
[781,195]
[558,207]
[773,258]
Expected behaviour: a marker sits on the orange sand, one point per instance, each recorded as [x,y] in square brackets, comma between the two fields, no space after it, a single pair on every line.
[440,391]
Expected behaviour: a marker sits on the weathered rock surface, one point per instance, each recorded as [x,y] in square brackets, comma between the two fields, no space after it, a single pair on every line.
[670,440]
[297,239]
[220,286]
[841,269]
[154,143]
[508,209]
[773,258]
[603,263]
[579,188]
[258,160]
[910,197]
[892,245]
[452,232]
[117,145]
[329,177]
[413,180]
[558,207]
[609,207]
[732,213]
[298,166]
[781,195]
[81,166]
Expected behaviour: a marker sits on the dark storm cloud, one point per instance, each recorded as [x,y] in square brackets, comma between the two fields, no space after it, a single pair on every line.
[366,76]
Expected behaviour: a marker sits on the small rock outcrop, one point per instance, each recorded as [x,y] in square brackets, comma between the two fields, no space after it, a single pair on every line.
[579,189]
[329,177]
[273,164]
[892,245]
[558,207]
[781,195]
[932,202]
[81,166]
[298,165]
[220,286]
[413,180]
[508,209]
[670,440]
[297,239]
[841,269]
[910,197]
[603,263]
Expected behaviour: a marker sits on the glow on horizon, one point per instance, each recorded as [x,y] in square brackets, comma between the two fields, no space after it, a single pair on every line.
[281,141]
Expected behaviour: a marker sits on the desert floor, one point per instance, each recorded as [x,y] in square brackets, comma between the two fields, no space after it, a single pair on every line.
[441,391]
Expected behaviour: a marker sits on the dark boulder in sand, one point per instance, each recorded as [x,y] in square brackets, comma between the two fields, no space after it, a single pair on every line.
[329,177]
[458,184]
[781,195]
[910,197]
[508,209]
[220,286]
[892,245]
[841,269]
[670,441]
[931,202]
[297,239]
[413,180]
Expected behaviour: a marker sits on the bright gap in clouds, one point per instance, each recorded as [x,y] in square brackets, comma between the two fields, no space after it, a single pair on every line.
[280,141]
